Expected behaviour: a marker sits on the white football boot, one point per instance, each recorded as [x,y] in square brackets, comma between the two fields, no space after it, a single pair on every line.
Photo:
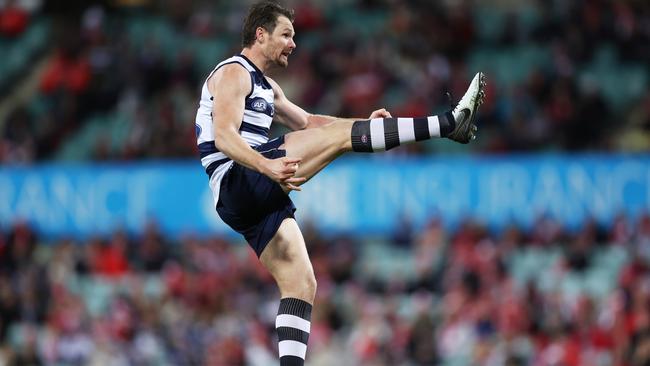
[465,111]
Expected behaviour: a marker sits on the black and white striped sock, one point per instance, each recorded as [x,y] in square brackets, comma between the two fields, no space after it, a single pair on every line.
[293,323]
[382,134]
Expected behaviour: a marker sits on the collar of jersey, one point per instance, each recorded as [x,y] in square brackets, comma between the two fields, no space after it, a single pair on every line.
[251,63]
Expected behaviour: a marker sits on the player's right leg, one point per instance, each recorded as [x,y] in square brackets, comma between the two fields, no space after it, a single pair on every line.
[285,256]
[318,147]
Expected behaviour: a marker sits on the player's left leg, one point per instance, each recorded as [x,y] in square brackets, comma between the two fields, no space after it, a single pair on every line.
[286,258]
[318,147]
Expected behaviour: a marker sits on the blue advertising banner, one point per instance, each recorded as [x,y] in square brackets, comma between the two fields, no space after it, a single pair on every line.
[356,194]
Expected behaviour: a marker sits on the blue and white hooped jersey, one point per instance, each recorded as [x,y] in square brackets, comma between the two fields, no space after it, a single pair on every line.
[254,129]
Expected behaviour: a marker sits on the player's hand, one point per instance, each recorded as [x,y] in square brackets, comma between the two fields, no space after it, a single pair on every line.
[283,171]
[380,113]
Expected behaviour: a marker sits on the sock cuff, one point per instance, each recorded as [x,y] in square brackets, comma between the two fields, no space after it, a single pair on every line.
[361,139]
[297,307]
[447,123]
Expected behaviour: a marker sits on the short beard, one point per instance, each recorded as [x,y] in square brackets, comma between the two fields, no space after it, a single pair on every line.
[280,63]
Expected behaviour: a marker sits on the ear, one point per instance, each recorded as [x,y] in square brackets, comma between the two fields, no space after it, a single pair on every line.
[259,34]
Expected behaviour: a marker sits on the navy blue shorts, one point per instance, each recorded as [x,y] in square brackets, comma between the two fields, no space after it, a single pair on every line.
[253,204]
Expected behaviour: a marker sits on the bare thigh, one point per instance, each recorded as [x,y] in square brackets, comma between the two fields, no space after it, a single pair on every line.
[317,147]
[286,258]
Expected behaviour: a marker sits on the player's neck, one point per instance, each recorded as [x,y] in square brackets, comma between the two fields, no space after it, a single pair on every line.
[256,58]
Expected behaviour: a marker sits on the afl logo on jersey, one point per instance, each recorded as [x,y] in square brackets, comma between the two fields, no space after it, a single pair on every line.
[197,130]
[259,104]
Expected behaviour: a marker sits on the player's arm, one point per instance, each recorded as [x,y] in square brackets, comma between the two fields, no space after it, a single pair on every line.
[229,89]
[296,118]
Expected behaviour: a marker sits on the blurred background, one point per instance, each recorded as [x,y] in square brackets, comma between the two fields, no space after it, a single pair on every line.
[530,246]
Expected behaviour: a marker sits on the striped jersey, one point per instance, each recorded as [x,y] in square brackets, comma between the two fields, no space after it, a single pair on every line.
[254,129]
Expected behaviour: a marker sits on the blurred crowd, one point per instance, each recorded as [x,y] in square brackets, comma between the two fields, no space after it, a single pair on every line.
[458,299]
[352,57]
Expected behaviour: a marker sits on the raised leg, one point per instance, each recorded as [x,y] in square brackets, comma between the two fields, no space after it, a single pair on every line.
[317,147]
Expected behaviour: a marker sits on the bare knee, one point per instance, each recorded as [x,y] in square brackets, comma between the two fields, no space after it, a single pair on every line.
[292,272]
[311,284]
[307,290]
[301,285]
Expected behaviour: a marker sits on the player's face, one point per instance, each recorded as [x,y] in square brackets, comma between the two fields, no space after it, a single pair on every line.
[281,44]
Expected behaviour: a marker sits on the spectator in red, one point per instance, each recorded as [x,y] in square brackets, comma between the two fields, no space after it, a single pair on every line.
[112,261]
[69,70]
[13,19]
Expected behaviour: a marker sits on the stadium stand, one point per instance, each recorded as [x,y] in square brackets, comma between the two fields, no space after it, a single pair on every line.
[549,91]
[467,297]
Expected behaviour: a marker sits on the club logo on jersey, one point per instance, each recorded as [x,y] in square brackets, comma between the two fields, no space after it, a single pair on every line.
[197,130]
[364,138]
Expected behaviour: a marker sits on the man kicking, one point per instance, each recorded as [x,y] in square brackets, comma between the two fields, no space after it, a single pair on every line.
[251,177]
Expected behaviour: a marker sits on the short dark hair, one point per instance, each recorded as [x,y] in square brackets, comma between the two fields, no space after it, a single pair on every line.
[263,14]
